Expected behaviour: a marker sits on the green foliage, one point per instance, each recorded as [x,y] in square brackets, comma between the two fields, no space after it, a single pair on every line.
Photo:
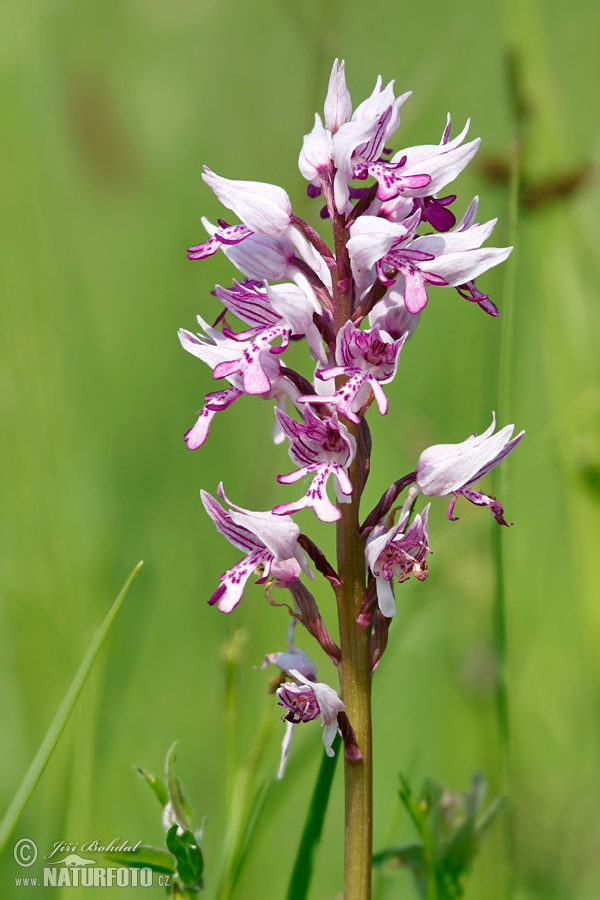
[144,857]
[188,856]
[313,828]
[48,745]
[451,831]
[156,785]
[183,857]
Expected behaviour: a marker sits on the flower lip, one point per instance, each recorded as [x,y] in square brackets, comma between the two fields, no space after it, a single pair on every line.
[300,702]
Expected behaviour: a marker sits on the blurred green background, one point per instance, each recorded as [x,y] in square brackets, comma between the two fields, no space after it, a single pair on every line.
[110,108]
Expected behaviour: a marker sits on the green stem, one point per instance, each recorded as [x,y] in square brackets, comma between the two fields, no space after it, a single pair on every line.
[354,668]
[355,681]
[499,608]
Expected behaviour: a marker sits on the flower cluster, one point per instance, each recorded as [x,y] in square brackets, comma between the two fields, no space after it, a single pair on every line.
[355,303]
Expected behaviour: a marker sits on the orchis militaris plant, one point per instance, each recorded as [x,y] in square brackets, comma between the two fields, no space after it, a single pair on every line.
[356,300]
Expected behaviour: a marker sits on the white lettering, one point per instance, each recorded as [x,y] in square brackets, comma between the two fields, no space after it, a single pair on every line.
[61,847]
[64,878]
[50,877]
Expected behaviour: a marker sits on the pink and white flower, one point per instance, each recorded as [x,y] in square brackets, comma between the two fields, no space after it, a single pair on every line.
[449,470]
[369,358]
[269,542]
[305,700]
[450,259]
[324,447]
[251,367]
[263,208]
[257,256]
[397,552]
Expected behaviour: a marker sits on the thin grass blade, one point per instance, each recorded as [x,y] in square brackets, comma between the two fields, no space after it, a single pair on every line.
[300,880]
[60,720]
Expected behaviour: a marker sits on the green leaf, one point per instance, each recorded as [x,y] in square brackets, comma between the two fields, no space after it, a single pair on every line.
[412,806]
[144,857]
[190,862]
[156,785]
[60,720]
[466,841]
[430,799]
[313,828]
[462,849]
[412,857]
[489,817]
[409,855]
[180,807]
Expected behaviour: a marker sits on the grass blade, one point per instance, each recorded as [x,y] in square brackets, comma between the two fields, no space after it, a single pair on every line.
[258,806]
[61,718]
[313,828]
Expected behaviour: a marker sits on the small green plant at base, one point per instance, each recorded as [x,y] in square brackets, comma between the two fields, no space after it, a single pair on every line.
[450,831]
[182,859]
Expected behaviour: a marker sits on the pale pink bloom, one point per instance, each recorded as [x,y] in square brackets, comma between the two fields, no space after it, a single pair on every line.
[314,161]
[398,552]
[370,358]
[251,367]
[338,105]
[315,157]
[269,542]
[258,256]
[321,447]
[305,700]
[391,314]
[358,144]
[442,162]
[450,259]
[447,470]
[264,208]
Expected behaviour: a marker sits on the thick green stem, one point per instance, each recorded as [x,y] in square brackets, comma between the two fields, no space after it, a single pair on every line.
[355,668]
[355,680]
